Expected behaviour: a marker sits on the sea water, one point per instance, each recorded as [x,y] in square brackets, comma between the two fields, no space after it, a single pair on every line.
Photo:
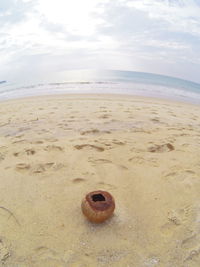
[105,81]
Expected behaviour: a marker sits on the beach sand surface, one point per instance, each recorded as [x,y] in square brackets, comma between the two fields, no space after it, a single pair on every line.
[56,149]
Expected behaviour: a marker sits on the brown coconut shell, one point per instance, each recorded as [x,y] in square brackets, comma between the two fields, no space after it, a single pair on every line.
[98,206]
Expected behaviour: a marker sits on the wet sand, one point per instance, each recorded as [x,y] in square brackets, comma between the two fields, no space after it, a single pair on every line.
[145,152]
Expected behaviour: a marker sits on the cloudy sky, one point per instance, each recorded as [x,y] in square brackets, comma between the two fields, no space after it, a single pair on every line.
[41,37]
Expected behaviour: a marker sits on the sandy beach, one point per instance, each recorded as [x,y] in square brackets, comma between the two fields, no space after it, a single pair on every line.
[56,149]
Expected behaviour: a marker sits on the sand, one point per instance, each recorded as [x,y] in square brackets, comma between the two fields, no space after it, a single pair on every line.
[145,152]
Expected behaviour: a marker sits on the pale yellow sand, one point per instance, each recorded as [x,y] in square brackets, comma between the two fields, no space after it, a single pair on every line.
[145,152]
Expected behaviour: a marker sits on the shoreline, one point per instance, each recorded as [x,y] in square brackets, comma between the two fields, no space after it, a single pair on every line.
[55,149]
[114,88]
[110,96]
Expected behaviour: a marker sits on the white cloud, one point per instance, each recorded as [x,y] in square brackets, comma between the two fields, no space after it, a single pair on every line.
[75,16]
[180,15]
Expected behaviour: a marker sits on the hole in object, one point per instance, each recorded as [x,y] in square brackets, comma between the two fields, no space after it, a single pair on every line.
[98,197]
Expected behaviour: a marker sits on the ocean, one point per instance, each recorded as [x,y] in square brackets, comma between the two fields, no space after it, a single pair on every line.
[105,81]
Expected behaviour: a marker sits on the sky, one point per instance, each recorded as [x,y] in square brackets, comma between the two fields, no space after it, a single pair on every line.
[39,38]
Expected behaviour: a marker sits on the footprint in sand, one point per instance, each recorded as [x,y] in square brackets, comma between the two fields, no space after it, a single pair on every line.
[191,241]
[144,160]
[169,228]
[19,141]
[43,167]
[177,218]
[156,120]
[37,142]
[51,139]
[105,116]
[3,152]
[28,152]
[122,167]
[170,174]
[89,146]
[44,256]
[78,180]
[103,161]
[194,256]
[96,162]
[187,177]
[108,145]
[137,160]
[161,148]
[53,148]
[92,131]
[117,142]
[4,253]
[22,167]
[99,160]
[38,168]
[2,157]
[107,186]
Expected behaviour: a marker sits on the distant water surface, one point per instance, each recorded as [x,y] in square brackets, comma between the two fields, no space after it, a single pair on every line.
[105,81]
